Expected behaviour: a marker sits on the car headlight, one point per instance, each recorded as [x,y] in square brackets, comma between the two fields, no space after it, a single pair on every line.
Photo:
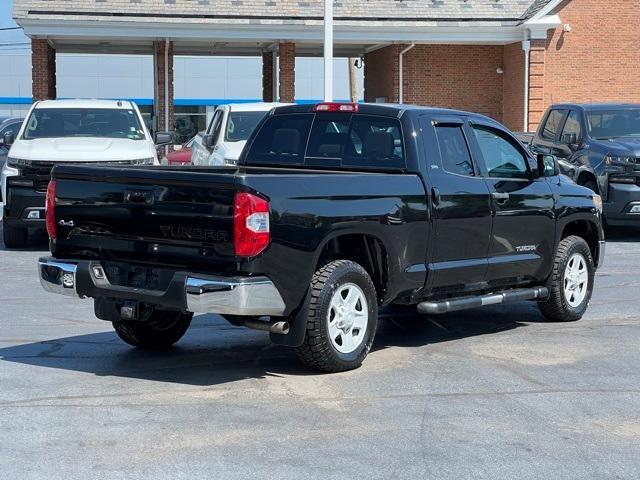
[618,163]
[143,161]
[597,200]
[16,162]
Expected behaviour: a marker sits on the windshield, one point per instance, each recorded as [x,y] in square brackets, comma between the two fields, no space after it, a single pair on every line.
[614,123]
[83,122]
[242,124]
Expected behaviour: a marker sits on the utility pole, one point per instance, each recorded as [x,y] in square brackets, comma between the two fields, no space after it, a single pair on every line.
[353,79]
[328,50]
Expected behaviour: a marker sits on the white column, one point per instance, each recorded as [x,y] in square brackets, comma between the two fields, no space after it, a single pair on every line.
[328,50]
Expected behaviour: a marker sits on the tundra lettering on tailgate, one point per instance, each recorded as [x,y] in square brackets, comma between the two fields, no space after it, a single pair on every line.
[189,233]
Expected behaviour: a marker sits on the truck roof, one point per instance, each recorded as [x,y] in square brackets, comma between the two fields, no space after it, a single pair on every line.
[85,103]
[387,109]
[253,106]
[596,106]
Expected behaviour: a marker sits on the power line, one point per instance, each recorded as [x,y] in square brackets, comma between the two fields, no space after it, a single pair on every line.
[10,28]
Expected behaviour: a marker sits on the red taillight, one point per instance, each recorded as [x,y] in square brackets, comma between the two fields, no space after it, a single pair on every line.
[333,107]
[50,205]
[250,224]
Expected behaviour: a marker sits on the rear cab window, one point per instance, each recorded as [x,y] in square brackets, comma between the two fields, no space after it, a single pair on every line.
[329,140]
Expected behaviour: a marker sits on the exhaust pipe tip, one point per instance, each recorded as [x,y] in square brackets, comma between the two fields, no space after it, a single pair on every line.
[281,328]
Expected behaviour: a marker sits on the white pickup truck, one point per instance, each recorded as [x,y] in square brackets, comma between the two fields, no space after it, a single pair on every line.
[108,132]
[227,133]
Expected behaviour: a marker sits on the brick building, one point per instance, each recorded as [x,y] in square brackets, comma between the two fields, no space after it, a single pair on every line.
[508,59]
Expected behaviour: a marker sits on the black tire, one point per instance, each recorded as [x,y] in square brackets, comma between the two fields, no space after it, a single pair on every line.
[557,307]
[161,330]
[14,237]
[317,351]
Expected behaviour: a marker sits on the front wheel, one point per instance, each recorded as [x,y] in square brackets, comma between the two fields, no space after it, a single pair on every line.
[571,282]
[342,318]
[162,329]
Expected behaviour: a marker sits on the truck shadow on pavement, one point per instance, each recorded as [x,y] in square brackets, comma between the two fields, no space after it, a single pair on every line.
[213,352]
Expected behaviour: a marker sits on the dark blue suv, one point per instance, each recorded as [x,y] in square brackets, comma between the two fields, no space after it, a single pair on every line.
[598,146]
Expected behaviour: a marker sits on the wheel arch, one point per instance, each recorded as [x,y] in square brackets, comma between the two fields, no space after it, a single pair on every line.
[586,229]
[365,249]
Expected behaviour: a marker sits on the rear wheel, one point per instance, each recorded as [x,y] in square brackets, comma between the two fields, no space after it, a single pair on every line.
[162,329]
[342,318]
[14,237]
[571,282]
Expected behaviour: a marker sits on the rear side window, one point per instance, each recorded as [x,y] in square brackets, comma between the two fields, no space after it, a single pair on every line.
[282,140]
[454,151]
[552,125]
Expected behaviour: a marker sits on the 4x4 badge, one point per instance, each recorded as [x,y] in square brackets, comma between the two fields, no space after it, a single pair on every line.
[65,223]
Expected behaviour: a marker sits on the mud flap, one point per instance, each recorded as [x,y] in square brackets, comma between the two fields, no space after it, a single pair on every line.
[297,326]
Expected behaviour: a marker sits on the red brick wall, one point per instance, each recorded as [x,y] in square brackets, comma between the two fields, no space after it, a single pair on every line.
[287,74]
[159,49]
[452,76]
[537,78]
[43,70]
[381,74]
[267,77]
[599,60]
[513,87]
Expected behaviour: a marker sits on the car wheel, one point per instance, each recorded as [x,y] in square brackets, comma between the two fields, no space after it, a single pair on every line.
[342,318]
[571,282]
[162,329]
[14,237]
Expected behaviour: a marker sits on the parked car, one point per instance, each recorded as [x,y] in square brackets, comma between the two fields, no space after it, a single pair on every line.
[333,210]
[107,132]
[598,146]
[182,156]
[227,133]
[7,125]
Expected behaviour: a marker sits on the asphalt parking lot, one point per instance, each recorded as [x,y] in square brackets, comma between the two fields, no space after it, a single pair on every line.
[488,394]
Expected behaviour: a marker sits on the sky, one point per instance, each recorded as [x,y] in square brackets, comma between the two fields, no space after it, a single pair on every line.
[9,38]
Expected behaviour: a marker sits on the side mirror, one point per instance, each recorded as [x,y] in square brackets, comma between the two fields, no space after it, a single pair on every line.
[570,139]
[163,138]
[208,141]
[547,165]
[8,139]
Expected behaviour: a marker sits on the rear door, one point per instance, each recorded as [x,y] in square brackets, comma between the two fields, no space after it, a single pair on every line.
[523,232]
[461,207]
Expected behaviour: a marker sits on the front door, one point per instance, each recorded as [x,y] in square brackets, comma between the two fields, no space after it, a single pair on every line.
[461,209]
[523,233]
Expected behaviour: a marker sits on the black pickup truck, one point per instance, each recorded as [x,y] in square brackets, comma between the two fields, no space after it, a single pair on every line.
[332,211]
[598,146]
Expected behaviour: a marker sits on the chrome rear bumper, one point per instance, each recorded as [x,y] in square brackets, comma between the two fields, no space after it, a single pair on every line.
[244,296]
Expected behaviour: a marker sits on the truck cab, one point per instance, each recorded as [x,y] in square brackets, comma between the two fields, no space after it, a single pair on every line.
[597,146]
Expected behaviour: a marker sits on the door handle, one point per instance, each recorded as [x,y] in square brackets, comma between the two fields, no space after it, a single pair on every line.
[500,197]
[435,196]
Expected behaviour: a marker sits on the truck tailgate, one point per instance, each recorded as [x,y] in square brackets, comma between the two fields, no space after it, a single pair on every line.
[175,216]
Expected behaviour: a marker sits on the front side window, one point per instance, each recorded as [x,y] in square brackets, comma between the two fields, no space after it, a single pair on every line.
[604,125]
[552,125]
[454,151]
[242,124]
[572,125]
[501,157]
[83,122]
